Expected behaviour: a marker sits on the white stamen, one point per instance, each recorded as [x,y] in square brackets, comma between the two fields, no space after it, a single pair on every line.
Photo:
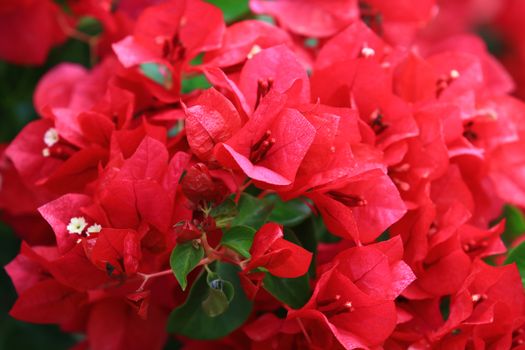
[454,74]
[46,152]
[76,225]
[476,297]
[404,186]
[51,137]
[254,51]
[95,228]
[402,168]
[368,52]
[349,305]
[332,149]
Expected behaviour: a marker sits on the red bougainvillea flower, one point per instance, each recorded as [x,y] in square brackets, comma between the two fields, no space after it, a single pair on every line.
[271,145]
[166,37]
[280,257]
[353,299]
[335,182]
[360,207]
[312,18]
[243,40]
[211,120]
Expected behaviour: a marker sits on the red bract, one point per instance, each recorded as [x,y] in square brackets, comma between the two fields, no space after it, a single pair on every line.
[271,145]
[359,207]
[353,299]
[310,18]
[163,39]
[339,184]
[211,120]
[280,257]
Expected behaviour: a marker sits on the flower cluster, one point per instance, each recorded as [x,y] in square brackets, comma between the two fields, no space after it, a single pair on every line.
[334,181]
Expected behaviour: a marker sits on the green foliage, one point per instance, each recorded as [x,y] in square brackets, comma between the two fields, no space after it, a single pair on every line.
[184,258]
[294,292]
[240,239]
[191,319]
[220,294]
[224,213]
[232,9]
[290,213]
[253,211]
[194,82]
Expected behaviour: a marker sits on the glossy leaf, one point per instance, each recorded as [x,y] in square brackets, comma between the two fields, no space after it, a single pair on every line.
[220,294]
[224,213]
[253,212]
[191,320]
[184,258]
[216,303]
[288,213]
[294,292]
[240,239]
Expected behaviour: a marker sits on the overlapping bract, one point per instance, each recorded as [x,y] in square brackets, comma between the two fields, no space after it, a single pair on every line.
[406,147]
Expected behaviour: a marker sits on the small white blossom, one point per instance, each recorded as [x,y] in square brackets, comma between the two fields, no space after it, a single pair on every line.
[51,137]
[76,225]
[454,74]
[95,228]
[367,52]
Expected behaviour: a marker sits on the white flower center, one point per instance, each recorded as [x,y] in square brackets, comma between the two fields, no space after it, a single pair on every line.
[367,52]
[454,74]
[51,137]
[76,225]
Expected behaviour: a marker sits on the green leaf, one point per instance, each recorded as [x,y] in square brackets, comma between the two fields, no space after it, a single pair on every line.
[184,258]
[220,294]
[517,255]
[158,73]
[232,9]
[253,212]
[294,292]
[90,26]
[193,83]
[216,303]
[224,213]
[216,282]
[191,320]
[515,223]
[290,213]
[240,239]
